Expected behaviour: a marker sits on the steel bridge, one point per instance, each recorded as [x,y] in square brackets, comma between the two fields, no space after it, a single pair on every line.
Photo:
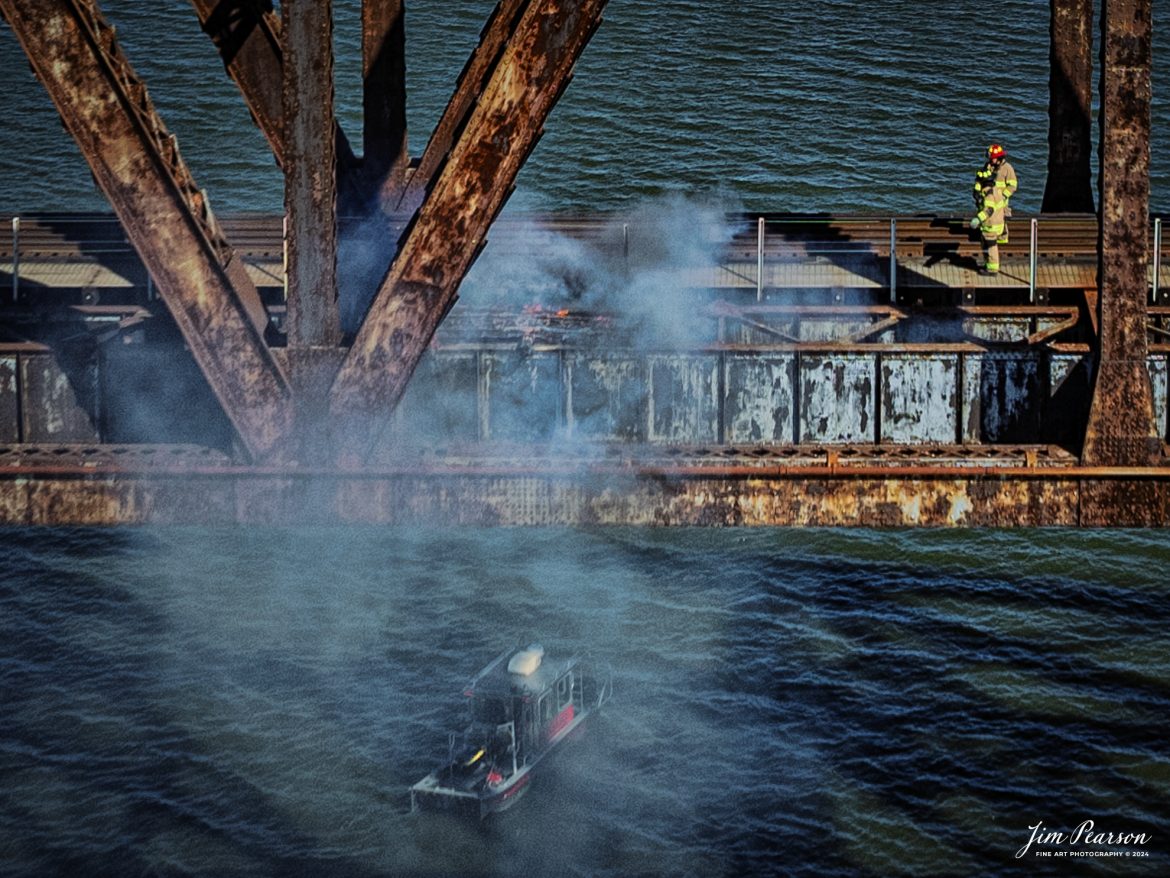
[163,364]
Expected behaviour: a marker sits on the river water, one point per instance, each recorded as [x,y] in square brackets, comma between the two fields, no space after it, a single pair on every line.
[845,702]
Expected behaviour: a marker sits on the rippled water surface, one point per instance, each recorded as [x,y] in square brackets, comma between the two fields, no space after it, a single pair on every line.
[829,105]
[786,702]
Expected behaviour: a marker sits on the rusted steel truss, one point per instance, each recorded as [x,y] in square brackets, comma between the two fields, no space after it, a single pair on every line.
[1069,187]
[136,163]
[310,196]
[471,84]
[1121,422]
[248,35]
[384,153]
[451,225]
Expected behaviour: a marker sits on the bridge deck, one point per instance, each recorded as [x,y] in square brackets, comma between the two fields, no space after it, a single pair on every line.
[819,253]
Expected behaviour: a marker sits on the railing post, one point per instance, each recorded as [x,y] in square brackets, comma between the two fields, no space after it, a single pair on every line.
[626,246]
[760,260]
[1032,247]
[893,260]
[1157,258]
[15,259]
[284,256]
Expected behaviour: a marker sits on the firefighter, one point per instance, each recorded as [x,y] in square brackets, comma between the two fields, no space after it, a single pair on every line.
[990,223]
[998,171]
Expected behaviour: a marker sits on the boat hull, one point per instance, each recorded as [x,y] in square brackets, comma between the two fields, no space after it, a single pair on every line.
[431,796]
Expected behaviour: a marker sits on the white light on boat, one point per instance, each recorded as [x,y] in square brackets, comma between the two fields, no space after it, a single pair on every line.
[526,660]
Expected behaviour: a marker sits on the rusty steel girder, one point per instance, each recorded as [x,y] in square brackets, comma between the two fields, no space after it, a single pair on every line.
[1069,188]
[136,163]
[1121,428]
[451,225]
[384,147]
[247,34]
[310,189]
[471,83]
[539,491]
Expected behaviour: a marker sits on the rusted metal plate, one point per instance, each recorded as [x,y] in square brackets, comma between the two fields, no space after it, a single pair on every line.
[420,287]
[614,496]
[999,329]
[58,397]
[607,397]
[1002,397]
[683,399]
[9,400]
[137,165]
[838,398]
[759,399]
[919,399]
[523,395]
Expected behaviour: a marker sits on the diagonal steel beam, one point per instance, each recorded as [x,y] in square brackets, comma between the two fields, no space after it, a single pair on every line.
[1121,418]
[136,163]
[247,34]
[451,225]
[476,72]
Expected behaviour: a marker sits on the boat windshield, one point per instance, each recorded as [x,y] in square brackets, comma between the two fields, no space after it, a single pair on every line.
[489,711]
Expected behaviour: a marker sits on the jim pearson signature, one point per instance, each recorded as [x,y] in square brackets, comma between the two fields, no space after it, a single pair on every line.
[1087,836]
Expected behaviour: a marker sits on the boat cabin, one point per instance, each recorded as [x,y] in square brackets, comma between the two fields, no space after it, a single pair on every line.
[525,703]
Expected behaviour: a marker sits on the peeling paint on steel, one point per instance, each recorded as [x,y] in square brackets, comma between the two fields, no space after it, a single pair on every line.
[838,398]
[1158,378]
[683,399]
[608,399]
[759,402]
[523,395]
[1002,399]
[9,401]
[919,396]
[58,402]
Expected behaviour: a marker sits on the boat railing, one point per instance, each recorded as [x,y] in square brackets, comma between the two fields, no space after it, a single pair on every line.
[596,683]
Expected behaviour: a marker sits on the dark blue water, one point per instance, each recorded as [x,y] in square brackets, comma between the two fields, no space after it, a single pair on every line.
[827,105]
[228,702]
[786,702]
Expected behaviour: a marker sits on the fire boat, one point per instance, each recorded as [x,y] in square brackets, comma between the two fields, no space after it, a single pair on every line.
[522,707]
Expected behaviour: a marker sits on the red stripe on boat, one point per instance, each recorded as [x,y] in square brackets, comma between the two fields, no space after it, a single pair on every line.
[561,721]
